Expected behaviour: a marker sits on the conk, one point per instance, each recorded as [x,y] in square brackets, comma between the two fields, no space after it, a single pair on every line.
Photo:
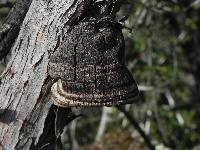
[89,66]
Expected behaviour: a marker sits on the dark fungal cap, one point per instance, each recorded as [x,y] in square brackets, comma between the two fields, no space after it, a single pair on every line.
[89,63]
[65,99]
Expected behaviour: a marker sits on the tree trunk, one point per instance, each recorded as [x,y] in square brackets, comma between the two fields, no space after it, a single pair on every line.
[10,28]
[25,83]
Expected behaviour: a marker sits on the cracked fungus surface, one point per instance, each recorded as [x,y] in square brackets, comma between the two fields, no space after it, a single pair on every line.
[89,63]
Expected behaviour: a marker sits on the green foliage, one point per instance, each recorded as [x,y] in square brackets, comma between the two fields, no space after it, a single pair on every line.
[163,53]
[162,61]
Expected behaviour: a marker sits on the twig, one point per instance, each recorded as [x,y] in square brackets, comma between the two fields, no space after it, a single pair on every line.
[72,130]
[43,146]
[137,127]
[103,124]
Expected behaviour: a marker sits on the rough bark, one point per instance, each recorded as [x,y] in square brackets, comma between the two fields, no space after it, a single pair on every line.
[10,28]
[25,83]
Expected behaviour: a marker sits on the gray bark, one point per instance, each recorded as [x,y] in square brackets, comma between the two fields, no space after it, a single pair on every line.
[25,84]
[10,27]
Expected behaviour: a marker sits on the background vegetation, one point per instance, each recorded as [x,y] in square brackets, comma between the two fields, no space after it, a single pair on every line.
[163,54]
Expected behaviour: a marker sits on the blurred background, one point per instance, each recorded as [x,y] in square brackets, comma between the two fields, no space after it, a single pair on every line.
[163,53]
